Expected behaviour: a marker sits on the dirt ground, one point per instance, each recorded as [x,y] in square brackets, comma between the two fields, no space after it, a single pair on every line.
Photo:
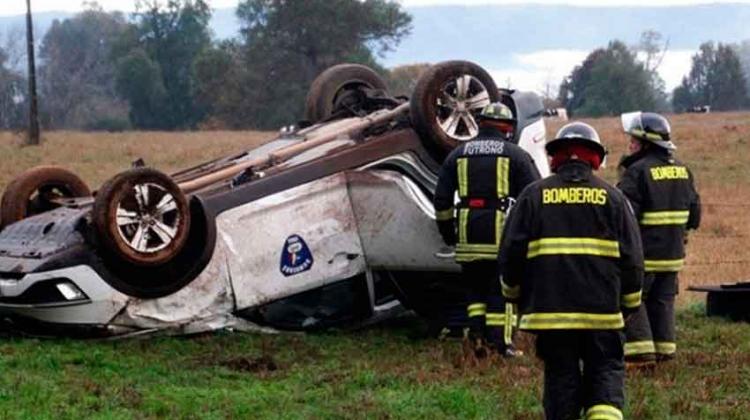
[714,146]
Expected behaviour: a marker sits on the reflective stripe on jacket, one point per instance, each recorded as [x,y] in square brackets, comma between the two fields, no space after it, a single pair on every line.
[484,173]
[665,201]
[571,253]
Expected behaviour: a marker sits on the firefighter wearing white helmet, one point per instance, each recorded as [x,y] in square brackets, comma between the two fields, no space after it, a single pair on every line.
[487,172]
[571,257]
[663,195]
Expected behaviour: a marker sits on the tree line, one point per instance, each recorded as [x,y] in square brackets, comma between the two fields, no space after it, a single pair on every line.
[161,69]
[620,78]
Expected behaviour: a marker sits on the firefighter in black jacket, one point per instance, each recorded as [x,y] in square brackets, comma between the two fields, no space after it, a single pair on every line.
[487,172]
[571,256]
[665,201]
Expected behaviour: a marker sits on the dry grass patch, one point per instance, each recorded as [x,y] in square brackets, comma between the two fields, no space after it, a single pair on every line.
[97,157]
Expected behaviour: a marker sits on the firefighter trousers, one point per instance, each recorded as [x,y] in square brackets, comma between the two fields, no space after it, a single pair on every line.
[486,306]
[651,330]
[583,371]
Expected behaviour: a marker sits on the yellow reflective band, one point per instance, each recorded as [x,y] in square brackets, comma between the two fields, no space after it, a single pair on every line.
[503,181]
[476,309]
[473,252]
[665,347]
[573,246]
[639,347]
[499,222]
[656,218]
[651,136]
[631,300]
[487,248]
[510,292]
[571,321]
[603,412]
[463,224]
[444,215]
[495,320]
[510,321]
[463,177]
[663,265]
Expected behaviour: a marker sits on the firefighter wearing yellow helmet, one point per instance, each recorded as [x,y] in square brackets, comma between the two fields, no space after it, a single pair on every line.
[486,174]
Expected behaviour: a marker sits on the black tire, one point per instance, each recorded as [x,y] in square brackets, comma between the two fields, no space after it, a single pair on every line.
[428,104]
[332,90]
[30,193]
[141,217]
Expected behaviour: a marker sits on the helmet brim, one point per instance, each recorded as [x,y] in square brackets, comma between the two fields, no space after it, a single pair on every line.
[480,118]
[554,145]
[660,143]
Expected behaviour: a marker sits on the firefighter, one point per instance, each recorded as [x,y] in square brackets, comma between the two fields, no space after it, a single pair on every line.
[571,256]
[487,172]
[665,201]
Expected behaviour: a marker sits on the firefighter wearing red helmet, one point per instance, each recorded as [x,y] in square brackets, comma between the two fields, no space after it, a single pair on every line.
[571,257]
[486,174]
[665,201]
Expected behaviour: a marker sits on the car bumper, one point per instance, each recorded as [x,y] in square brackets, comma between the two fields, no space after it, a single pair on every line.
[70,296]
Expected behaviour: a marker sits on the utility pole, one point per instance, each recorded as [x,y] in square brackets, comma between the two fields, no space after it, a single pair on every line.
[33,108]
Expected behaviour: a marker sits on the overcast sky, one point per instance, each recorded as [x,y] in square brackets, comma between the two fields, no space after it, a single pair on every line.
[531,71]
[13,7]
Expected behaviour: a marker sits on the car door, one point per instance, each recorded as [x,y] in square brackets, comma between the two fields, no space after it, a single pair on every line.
[292,241]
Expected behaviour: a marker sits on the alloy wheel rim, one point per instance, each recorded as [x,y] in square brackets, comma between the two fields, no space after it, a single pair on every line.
[460,100]
[148,218]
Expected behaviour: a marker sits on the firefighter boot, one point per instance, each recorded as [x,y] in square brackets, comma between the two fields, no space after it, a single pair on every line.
[497,342]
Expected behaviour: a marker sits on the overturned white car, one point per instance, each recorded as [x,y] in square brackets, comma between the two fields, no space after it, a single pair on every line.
[330,223]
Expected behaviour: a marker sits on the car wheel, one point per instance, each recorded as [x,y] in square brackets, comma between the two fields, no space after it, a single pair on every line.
[142,217]
[36,190]
[339,91]
[446,101]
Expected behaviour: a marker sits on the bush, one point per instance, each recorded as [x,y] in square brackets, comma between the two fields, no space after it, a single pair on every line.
[108,124]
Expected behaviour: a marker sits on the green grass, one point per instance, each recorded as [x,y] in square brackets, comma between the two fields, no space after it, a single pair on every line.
[377,373]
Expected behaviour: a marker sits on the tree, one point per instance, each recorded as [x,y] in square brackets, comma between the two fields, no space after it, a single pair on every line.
[77,78]
[12,95]
[609,82]
[284,45]
[140,80]
[220,85]
[550,92]
[13,43]
[715,79]
[164,43]
[402,79]
[652,50]
[743,52]
[727,80]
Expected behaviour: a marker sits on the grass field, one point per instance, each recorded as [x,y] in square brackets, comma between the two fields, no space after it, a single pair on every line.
[381,372]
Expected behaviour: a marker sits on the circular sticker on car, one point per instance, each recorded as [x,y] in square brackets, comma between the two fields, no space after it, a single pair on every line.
[295,256]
